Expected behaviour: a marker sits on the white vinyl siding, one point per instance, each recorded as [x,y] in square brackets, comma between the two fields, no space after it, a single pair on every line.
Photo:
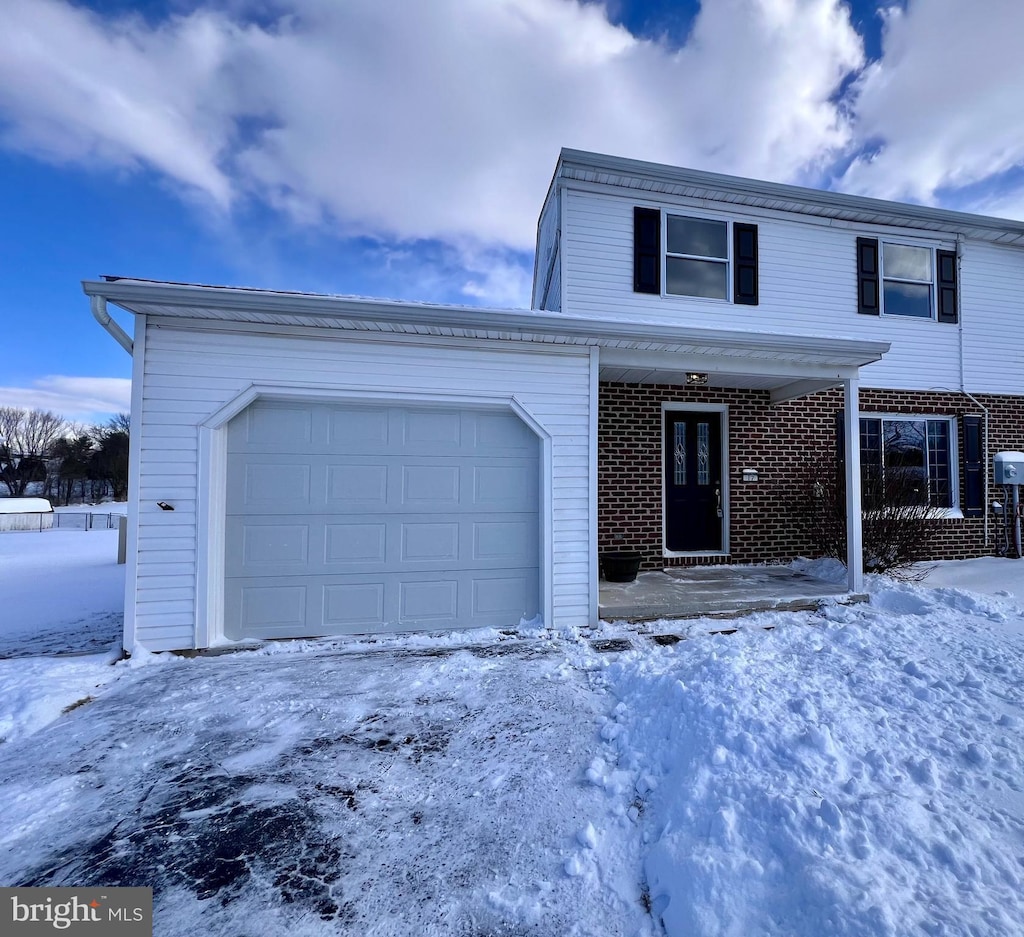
[992,314]
[548,261]
[808,286]
[191,373]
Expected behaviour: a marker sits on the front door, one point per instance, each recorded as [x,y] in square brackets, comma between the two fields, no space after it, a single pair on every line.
[693,481]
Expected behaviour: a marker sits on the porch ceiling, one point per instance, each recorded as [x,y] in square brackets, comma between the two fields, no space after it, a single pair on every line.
[785,373]
[720,379]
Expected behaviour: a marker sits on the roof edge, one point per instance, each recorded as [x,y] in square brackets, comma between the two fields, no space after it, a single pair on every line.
[127,292]
[818,198]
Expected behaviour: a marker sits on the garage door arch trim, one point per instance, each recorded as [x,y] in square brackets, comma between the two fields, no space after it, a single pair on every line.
[213,465]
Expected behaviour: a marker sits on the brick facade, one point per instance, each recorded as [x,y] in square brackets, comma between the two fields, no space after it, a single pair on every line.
[772,440]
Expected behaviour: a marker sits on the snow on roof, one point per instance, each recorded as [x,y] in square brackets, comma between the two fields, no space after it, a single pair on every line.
[25,506]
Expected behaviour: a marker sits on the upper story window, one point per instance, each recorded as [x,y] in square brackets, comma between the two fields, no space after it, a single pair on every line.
[906,280]
[696,257]
[700,257]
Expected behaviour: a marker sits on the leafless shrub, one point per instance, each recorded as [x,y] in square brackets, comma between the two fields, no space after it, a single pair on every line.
[898,530]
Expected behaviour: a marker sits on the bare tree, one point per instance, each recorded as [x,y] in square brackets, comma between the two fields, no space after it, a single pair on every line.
[26,440]
[109,463]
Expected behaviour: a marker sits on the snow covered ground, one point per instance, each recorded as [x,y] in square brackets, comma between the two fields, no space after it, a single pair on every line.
[60,591]
[853,771]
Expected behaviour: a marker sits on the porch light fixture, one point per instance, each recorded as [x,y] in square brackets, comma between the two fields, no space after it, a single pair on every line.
[696,377]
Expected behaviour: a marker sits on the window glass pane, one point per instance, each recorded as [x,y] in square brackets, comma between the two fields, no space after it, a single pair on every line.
[703,455]
[871,462]
[907,263]
[697,236]
[679,453]
[908,299]
[696,278]
[906,468]
[938,464]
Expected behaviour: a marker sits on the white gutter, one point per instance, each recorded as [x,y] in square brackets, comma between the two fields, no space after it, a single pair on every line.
[963,381]
[99,311]
[144,297]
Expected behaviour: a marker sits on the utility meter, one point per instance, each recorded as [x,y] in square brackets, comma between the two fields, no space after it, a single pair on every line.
[1008,468]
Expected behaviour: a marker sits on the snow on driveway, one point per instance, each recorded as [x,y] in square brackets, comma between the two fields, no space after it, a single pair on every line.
[429,791]
[857,771]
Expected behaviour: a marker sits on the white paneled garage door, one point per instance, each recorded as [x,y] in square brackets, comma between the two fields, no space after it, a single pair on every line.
[361,519]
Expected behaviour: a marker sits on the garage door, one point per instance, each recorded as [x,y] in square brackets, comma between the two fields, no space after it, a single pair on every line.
[362,519]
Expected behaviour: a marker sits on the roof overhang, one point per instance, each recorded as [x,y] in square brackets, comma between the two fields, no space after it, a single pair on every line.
[636,352]
[656,178]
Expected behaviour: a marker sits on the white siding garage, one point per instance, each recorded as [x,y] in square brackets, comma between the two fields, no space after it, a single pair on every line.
[354,519]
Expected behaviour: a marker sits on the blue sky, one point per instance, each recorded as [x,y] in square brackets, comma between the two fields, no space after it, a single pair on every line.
[342,147]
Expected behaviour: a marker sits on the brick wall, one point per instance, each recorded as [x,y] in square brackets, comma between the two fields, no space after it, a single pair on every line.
[772,440]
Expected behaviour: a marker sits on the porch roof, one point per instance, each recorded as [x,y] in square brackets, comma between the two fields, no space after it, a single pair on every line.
[634,351]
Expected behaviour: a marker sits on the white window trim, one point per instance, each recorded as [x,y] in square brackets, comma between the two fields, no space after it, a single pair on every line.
[955,511]
[727,261]
[723,409]
[931,284]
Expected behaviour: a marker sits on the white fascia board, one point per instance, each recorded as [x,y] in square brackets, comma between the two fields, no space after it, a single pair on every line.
[815,201]
[130,294]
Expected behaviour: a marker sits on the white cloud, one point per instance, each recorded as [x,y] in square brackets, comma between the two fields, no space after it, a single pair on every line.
[77,88]
[943,108]
[79,399]
[441,122]
[495,278]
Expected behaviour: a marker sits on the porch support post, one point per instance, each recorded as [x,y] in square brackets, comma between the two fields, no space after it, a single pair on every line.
[851,447]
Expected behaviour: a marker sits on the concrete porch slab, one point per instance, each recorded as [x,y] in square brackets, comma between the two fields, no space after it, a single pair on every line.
[717,591]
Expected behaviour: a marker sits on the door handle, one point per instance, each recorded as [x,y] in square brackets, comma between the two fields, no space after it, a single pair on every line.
[718,500]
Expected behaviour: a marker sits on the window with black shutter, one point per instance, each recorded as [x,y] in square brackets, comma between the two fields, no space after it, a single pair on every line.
[906,280]
[697,254]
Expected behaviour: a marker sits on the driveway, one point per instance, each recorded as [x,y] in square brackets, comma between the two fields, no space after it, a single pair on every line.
[350,791]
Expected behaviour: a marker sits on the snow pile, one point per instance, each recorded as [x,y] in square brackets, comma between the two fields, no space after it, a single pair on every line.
[854,773]
[36,691]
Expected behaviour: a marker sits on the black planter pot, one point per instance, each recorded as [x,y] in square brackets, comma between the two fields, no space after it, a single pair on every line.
[620,565]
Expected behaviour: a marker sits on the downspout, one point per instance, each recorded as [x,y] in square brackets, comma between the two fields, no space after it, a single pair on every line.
[963,380]
[98,304]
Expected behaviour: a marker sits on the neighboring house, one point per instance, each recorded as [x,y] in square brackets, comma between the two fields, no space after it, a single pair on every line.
[307,465]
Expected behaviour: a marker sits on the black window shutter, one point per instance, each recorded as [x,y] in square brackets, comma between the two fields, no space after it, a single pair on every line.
[945,261]
[646,250]
[867,276]
[974,467]
[744,251]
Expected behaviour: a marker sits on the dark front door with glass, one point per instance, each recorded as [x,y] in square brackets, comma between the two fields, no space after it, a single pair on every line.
[693,481]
